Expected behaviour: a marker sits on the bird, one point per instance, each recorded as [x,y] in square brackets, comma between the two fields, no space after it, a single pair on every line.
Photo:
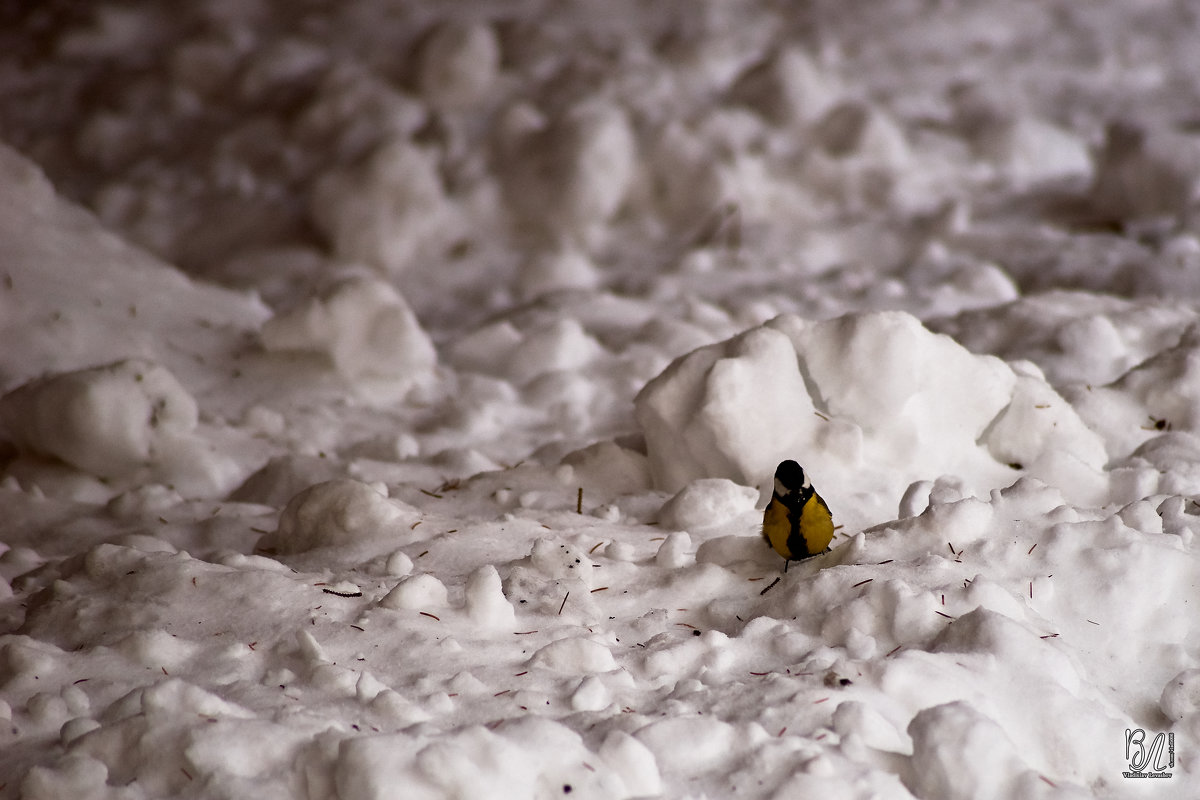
[796,523]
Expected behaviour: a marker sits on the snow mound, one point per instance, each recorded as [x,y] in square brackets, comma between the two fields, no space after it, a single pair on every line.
[1160,394]
[961,754]
[334,513]
[363,325]
[786,87]
[458,63]
[565,176]
[706,503]
[522,758]
[110,421]
[574,655]
[707,414]
[1181,696]
[865,400]
[416,593]
[122,422]
[485,601]
[610,465]
[386,211]
[500,349]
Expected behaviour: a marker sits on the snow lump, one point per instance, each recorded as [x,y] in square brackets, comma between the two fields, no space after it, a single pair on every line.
[109,420]
[338,512]
[363,325]
[122,422]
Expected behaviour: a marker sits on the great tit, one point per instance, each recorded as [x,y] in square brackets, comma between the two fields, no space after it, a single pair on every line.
[797,523]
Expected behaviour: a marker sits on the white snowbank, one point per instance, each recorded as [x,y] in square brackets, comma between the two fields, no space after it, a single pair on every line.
[75,295]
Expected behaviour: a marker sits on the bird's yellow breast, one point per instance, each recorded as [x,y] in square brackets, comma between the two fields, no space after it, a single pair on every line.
[777,527]
[816,525]
[798,538]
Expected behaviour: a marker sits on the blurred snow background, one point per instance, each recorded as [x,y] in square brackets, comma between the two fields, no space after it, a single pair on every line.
[390,388]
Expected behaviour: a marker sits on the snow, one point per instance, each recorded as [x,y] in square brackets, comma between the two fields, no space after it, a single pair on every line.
[363,325]
[390,392]
[335,513]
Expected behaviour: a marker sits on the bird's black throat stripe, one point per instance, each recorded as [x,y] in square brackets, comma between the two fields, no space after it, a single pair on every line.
[795,502]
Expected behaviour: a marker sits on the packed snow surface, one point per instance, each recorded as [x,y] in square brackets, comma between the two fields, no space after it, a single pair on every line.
[390,393]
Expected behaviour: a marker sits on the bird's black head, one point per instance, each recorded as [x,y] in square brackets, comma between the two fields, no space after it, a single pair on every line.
[789,477]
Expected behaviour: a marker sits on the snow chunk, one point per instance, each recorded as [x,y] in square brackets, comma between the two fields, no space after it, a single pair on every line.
[1042,434]
[903,385]
[1037,422]
[416,593]
[1160,394]
[706,503]
[574,655]
[168,698]
[590,695]
[673,552]
[398,564]
[387,210]
[523,758]
[1181,696]
[486,604]
[786,87]
[75,775]
[486,349]
[458,63]
[334,513]
[567,176]
[690,745]
[561,345]
[123,420]
[994,634]
[634,762]
[715,411]
[365,327]
[961,754]
[109,421]
[854,718]
[608,465]
[556,270]
[502,350]
[250,750]
[1034,150]
[284,477]
[560,561]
